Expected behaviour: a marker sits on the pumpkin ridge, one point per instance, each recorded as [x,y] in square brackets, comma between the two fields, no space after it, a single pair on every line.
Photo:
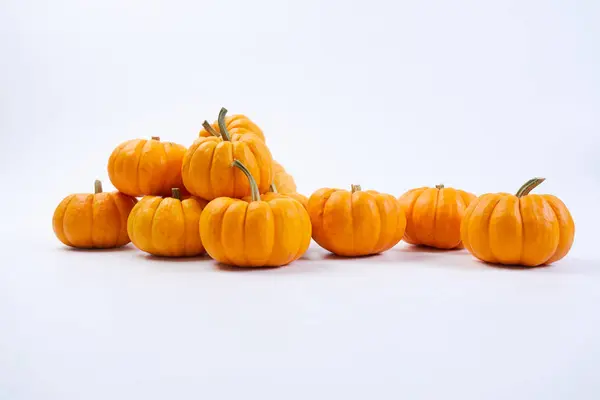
[495,258]
[73,197]
[154,210]
[412,212]
[138,151]
[245,257]
[114,202]
[544,201]
[435,215]
[322,214]
[211,193]
[184,226]
[164,178]
[299,210]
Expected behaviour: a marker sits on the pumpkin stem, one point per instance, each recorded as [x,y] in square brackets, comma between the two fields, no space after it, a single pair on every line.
[253,186]
[224,132]
[273,188]
[210,129]
[529,186]
[97,187]
[175,193]
[156,138]
[440,186]
[356,188]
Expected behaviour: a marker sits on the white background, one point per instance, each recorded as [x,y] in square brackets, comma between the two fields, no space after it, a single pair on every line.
[479,95]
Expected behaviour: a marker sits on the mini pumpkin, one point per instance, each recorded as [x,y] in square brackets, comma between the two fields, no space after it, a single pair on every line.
[93,221]
[142,167]
[255,232]
[284,182]
[167,226]
[237,123]
[522,229]
[433,216]
[207,170]
[356,222]
[274,193]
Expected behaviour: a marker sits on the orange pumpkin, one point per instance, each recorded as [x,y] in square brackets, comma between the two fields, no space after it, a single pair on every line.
[93,221]
[523,229]
[283,181]
[355,223]
[255,233]
[207,170]
[167,226]
[237,123]
[274,193]
[433,216]
[142,167]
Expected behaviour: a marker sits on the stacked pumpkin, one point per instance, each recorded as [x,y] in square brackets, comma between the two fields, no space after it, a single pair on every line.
[227,197]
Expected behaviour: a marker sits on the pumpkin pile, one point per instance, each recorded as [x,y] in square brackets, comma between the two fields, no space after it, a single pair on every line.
[227,197]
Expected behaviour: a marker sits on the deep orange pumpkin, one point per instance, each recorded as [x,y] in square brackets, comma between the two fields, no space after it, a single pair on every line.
[355,223]
[523,229]
[433,216]
[93,221]
[142,167]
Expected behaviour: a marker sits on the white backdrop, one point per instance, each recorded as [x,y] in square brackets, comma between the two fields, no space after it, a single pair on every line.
[391,95]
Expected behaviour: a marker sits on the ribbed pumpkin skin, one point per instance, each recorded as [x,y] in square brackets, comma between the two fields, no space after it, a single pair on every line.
[434,215]
[260,233]
[355,224]
[532,230]
[93,221]
[143,167]
[207,170]
[271,195]
[283,181]
[237,123]
[167,226]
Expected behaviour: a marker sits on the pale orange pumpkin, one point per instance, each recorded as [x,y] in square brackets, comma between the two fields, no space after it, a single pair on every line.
[167,226]
[93,221]
[284,182]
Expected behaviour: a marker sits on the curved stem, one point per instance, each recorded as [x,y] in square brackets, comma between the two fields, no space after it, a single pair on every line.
[210,129]
[253,186]
[175,193]
[97,186]
[224,132]
[156,138]
[529,186]
[273,188]
[356,188]
[440,186]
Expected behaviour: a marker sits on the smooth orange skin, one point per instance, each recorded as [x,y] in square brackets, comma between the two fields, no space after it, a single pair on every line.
[237,123]
[141,167]
[207,170]
[296,196]
[355,224]
[283,181]
[433,216]
[93,221]
[166,226]
[533,230]
[261,233]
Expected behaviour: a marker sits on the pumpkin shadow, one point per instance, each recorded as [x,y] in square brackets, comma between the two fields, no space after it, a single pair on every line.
[126,247]
[183,259]
[233,268]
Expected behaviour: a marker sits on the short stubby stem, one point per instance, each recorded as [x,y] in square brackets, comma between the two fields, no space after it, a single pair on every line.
[97,187]
[210,129]
[529,186]
[222,127]
[440,186]
[253,186]
[356,188]
[176,193]
[156,138]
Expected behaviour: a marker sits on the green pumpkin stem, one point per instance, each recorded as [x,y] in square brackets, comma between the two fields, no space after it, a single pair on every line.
[176,193]
[253,186]
[529,186]
[224,132]
[210,129]
[97,187]
[440,186]
[356,188]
